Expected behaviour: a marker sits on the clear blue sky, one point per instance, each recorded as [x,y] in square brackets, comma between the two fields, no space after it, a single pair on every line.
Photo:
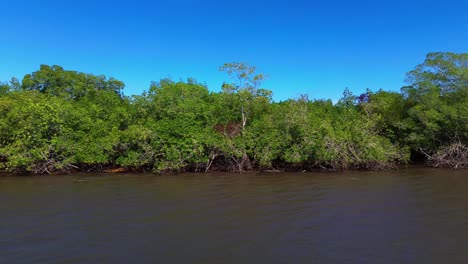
[312,47]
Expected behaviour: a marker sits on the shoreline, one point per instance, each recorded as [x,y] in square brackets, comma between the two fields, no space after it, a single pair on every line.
[126,171]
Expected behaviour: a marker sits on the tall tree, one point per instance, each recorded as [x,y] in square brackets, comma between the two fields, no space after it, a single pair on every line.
[437,101]
[445,71]
[244,91]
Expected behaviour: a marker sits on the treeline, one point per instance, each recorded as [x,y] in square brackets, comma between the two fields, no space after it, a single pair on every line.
[56,120]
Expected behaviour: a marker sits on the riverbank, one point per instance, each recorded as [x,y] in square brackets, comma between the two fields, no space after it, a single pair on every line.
[133,171]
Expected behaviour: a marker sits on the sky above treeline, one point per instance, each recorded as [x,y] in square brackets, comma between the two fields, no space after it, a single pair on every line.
[306,47]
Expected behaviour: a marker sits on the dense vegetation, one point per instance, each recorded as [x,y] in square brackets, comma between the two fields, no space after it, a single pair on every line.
[56,120]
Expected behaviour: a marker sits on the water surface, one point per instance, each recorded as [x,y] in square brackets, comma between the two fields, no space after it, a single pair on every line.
[406,216]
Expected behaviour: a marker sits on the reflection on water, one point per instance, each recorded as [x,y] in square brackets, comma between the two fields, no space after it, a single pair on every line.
[405,216]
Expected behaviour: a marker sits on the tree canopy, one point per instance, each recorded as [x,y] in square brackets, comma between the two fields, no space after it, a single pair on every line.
[57,120]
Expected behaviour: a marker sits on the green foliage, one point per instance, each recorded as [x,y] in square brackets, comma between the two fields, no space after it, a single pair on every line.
[43,131]
[445,70]
[4,88]
[437,101]
[57,121]
[31,123]
[54,80]
[244,96]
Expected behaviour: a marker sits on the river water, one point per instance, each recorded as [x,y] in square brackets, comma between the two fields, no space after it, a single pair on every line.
[415,215]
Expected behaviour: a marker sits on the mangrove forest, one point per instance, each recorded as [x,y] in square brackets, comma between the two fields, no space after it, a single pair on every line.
[56,120]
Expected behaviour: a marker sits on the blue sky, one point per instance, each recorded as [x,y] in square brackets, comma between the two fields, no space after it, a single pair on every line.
[306,47]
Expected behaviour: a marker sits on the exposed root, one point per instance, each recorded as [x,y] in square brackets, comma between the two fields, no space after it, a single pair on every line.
[454,156]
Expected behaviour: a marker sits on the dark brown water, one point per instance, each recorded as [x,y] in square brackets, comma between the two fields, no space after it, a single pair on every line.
[405,216]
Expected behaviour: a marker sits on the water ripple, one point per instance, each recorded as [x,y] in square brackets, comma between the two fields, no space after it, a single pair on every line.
[407,216]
